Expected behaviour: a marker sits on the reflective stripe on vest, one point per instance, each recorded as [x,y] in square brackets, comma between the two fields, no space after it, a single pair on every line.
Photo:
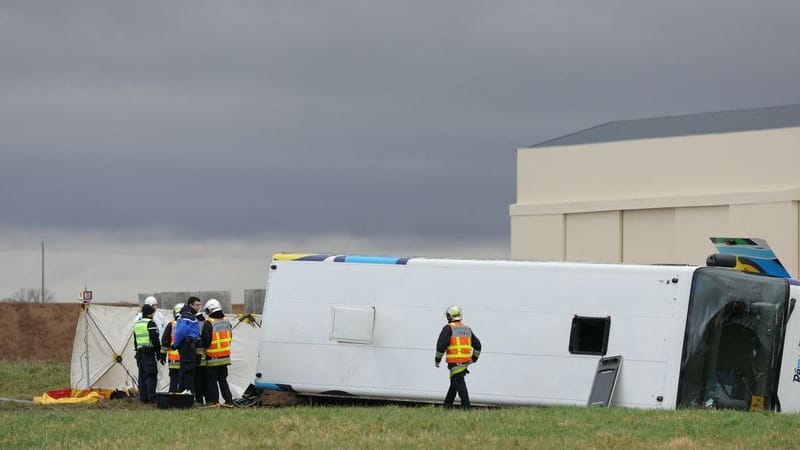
[173,356]
[219,352]
[460,348]
[141,333]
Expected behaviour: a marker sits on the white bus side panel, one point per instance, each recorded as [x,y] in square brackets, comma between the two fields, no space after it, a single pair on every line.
[522,312]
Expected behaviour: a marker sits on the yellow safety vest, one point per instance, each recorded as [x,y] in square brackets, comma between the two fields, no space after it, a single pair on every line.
[219,352]
[460,349]
[141,334]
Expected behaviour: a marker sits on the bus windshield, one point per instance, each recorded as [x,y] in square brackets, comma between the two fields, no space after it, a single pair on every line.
[734,338]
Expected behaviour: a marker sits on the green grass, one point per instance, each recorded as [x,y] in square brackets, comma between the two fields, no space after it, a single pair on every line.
[397,427]
[24,379]
[125,424]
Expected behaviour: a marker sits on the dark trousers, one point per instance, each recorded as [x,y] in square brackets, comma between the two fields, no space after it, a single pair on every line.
[200,382]
[217,377]
[188,364]
[457,386]
[148,374]
[174,379]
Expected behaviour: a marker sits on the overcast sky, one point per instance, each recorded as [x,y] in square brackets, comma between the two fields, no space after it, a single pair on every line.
[176,145]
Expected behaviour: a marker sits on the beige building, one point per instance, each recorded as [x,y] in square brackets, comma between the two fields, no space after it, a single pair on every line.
[654,190]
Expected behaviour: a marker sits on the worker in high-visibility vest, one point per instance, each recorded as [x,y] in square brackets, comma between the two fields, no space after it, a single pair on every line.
[462,348]
[146,344]
[168,355]
[216,337]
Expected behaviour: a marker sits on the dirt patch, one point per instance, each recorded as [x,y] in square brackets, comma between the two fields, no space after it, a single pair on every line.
[42,332]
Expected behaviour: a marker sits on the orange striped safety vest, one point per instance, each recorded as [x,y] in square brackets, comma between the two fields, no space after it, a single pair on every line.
[219,352]
[173,356]
[460,349]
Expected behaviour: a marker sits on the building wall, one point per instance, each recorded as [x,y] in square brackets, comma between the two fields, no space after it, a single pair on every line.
[649,236]
[658,200]
[539,236]
[594,236]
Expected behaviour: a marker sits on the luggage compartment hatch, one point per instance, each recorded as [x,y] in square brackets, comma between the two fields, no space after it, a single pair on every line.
[605,380]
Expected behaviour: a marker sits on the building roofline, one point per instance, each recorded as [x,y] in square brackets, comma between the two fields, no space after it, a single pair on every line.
[722,121]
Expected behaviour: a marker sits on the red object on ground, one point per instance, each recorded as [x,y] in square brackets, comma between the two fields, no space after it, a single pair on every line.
[60,393]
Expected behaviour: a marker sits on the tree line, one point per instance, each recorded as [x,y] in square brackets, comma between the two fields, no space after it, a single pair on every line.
[29,295]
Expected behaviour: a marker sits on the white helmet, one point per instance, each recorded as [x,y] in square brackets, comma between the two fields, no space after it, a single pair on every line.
[152,301]
[453,313]
[176,310]
[213,306]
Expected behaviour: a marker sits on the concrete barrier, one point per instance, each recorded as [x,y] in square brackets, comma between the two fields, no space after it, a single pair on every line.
[254,300]
[166,300]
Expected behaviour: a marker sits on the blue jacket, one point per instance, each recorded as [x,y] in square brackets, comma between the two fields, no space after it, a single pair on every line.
[186,327]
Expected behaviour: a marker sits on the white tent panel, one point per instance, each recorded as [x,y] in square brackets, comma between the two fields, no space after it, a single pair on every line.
[107,346]
[244,354]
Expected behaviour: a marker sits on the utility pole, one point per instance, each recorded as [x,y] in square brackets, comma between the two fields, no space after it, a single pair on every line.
[43,297]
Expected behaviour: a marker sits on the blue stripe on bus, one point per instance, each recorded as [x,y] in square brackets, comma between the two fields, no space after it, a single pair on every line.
[745,251]
[356,259]
[359,259]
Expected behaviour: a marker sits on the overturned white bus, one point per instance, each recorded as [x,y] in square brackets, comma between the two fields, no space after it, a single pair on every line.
[689,336]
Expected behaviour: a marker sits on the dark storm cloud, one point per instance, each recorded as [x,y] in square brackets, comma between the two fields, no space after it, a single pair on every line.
[347,117]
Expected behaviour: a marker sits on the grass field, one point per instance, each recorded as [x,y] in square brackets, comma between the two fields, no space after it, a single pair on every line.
[24,379]
[129,425]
